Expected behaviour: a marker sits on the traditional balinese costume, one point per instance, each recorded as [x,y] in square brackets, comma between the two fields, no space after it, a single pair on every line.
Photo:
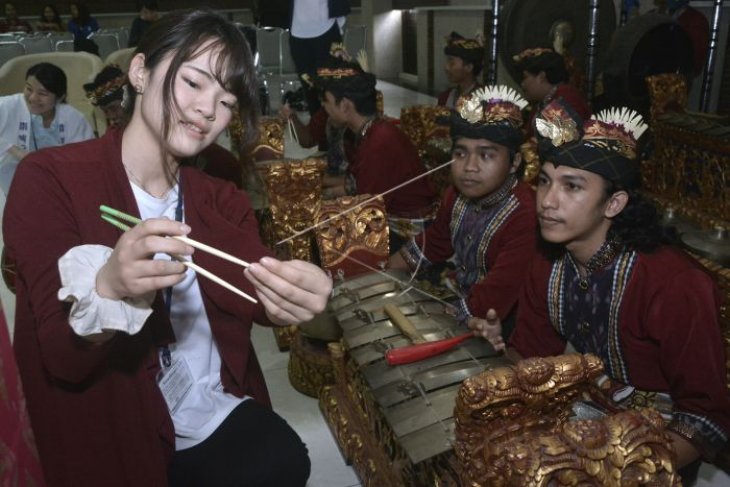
[491,239]
[471,51]
[652,317]
[565,93]
[381,156]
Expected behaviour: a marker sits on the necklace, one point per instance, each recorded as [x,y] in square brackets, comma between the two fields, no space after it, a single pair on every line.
[139,183]
[366,126]
[603,256]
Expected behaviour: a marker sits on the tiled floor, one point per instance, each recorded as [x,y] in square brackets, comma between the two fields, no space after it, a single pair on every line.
[302,412]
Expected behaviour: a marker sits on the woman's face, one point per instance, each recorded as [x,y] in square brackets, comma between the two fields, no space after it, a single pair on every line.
[40,101]
[204,107]
[48,14]
[74,11]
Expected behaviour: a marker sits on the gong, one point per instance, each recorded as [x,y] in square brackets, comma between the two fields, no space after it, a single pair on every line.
[534,23]
[650,44]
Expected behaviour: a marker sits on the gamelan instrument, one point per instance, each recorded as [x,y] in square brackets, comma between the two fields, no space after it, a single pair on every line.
[401,415]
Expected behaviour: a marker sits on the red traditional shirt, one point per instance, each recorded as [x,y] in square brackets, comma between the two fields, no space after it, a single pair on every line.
[663,334]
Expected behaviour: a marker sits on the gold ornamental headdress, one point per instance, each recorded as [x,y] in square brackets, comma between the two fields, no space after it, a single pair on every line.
[533,52]
[493,113]
[607,147]
[341,75]
[470,50]
[107,86]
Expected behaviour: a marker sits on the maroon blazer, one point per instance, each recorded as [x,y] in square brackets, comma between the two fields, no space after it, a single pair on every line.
[97,412]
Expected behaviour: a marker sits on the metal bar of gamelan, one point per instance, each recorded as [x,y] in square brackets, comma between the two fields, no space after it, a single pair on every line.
[711,58]
[496,4]
[592,48]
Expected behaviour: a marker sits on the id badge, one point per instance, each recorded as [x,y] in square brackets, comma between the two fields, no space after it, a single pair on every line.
[175,382]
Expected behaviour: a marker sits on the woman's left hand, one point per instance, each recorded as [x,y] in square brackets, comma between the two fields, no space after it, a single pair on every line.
[291,291]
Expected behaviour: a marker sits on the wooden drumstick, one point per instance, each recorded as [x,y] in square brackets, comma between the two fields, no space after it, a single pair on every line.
[403,323]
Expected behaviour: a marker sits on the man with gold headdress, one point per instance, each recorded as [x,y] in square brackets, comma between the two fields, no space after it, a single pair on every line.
[464,62]
[609,283]
[544,79]
[379,155]
[486,220]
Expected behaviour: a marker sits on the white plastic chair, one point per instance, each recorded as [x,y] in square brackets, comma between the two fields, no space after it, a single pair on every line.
[36,44]
[268,40]
[10,50]
[121,58]
[107,43]
[287,69]
[355,38]
[64,46]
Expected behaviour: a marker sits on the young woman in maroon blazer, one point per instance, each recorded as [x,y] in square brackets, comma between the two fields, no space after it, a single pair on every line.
[137,372]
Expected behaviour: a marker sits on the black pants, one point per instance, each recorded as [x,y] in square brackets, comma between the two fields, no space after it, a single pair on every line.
[310,54]
[253,447]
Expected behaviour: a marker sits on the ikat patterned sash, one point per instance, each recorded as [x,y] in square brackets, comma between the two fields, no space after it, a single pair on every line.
[622,270]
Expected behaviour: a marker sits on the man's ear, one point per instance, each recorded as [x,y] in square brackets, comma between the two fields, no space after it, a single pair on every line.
[616,204]
[138,73]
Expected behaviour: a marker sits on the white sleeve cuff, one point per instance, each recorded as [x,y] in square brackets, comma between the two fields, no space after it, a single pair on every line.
[91,313]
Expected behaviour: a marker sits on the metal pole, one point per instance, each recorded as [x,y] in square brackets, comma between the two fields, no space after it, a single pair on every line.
[495,39]
[711,58]
[592,48]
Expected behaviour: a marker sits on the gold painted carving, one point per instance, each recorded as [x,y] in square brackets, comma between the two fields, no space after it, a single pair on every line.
[364,228]
[668,93]
[310,367]
[295,194]
[628,448]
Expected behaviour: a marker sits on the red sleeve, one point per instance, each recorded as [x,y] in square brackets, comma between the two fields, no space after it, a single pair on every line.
[577,101]
[513,250]
[534,335]
[436,240]
[318,127]
[39,227]
[683,319]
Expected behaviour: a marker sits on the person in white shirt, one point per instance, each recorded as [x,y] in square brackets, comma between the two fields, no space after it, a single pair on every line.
[315,25]
[38,117]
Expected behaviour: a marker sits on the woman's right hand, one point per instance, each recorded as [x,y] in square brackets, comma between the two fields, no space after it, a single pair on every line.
[285,112]
[132,271]
[490,329]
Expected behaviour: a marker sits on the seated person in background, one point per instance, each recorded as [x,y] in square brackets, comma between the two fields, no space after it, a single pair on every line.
[380,156]
[39,117]
[544,79]
[486,220]
[107,93]
[148,14]
[50,21]
[11,22]
[464,62]
[82,24]
[608,284]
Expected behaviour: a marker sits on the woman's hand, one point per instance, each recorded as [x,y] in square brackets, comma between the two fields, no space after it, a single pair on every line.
[131,269]
[490,329]
[285,112]
[291,291]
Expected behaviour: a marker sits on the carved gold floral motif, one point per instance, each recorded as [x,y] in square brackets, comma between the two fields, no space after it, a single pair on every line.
[668,93]
[295,194]
[513,429]
[364,228]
